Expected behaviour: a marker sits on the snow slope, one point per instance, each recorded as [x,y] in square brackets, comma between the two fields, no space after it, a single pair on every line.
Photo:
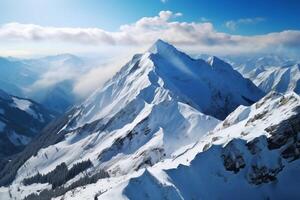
[246,64]
[280,79]
[253,154]
[206,87]
[154,108]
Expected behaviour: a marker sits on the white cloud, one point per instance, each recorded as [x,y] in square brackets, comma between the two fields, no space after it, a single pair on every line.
[54,76]
[193,37]
[31,32]
[196,37]
[233,24]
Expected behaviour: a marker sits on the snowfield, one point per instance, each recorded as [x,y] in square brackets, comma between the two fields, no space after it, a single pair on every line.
[280,79]
[199,172]
[166,126]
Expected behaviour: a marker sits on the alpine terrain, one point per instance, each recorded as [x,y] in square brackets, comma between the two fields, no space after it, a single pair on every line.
[281,78]
[166,126]
[37,79]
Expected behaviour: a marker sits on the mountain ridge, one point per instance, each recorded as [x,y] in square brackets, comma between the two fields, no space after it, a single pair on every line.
[156,107]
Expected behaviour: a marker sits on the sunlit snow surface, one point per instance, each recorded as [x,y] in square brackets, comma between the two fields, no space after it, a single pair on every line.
[161,112]
[280,79]
[195,174]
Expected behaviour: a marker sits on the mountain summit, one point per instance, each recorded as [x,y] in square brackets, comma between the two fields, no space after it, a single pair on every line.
[161,47]
[163,73]
[154,108]
[209,87]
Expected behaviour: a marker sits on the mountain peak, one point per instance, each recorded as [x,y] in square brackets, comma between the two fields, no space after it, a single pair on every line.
[213,59]
[161,46]
[160,42]
[218,63]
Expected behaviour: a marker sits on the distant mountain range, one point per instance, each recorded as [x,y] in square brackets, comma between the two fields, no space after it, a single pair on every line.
[29,78]
[269,72]
[246,64]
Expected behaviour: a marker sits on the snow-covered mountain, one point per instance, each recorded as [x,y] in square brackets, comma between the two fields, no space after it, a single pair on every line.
[252,154]
[55,62]
[57,96]
[269,72]
[20,121]
[280,79]
[246,64]
[154,108]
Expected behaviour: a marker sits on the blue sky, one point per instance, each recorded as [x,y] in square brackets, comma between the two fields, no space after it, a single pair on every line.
[204,26]
[278,14]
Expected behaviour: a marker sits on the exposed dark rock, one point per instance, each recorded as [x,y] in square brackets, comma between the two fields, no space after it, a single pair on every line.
[263,174]
[257,117]
[285,136]
[232,158]
[147,159]
[119,143]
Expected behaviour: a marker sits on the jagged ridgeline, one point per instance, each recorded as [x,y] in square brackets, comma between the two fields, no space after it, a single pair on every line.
[162,122]
[151,83]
